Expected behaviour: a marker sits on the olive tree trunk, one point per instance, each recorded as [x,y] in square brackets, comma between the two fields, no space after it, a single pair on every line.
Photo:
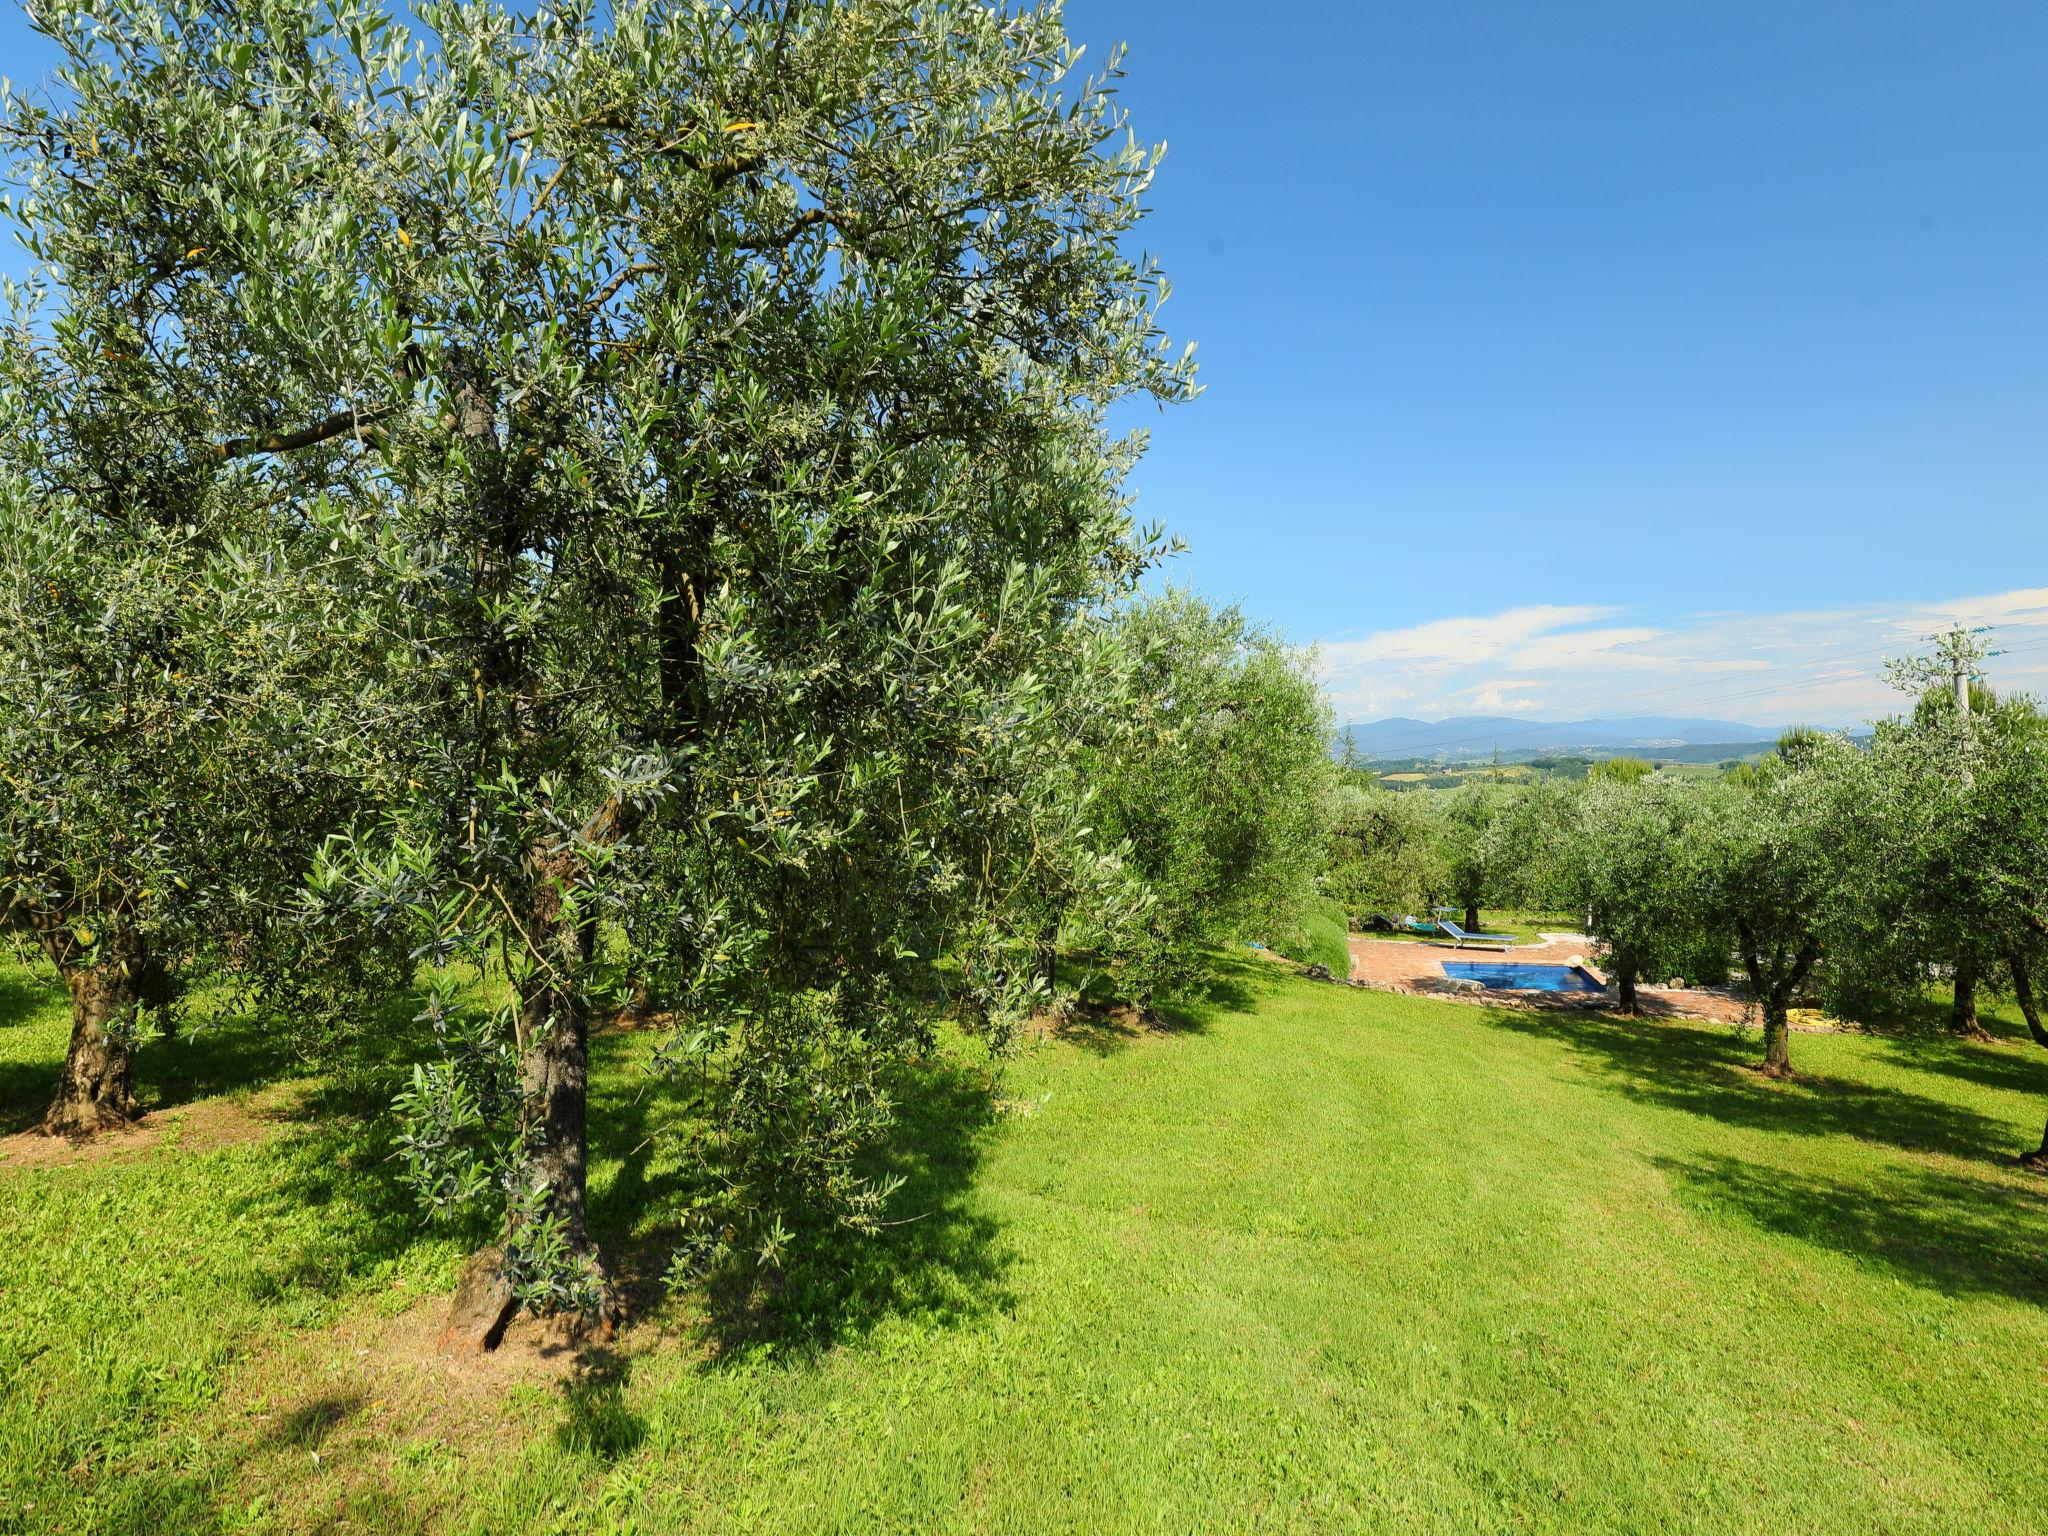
[1049,955]
[1775,977]
[1625,989]
[1962,1018]
[96,1091]
[554,1080]
[554,1077]
[1471,917]
[1777,1060]
[2023,992]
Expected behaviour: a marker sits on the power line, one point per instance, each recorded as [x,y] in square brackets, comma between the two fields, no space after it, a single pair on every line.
[1548,725]
[1384,751]
[1680,687]
[1782,666]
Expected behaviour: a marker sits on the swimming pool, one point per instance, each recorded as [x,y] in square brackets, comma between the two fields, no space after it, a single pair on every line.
[1504,976]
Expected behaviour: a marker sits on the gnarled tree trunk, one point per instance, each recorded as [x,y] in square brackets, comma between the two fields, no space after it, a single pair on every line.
[2023,991]
[1625,989]
[96,1091]
[554,1080]
[1471,917]
[1777,1060]
[1962,1018]
[1775,978]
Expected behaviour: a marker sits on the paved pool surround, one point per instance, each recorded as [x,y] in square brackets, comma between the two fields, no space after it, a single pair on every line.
[1394,965]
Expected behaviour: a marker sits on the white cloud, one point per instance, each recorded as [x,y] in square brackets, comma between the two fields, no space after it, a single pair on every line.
[1557,661]
[1577,650]
[2027,606]
[1458,642]
[1497,696]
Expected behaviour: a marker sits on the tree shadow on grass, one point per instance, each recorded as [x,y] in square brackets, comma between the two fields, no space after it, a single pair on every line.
[2022,1070]
[636,1173]
[1106,1025]
[307,1426]
[25,1092]
[1954,1234]
[596,1419]
[347,1160]
[938,1260]
[217,1056]
[1229,986]
[339,1149]
[1706,1072]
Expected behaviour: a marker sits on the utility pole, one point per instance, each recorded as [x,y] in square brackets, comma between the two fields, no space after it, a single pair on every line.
[1958,660]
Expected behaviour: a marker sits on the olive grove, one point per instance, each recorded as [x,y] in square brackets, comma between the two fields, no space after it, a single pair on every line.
[586,512]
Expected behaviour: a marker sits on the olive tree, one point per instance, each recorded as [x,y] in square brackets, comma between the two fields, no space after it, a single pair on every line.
[2011,866]
[163,789]
[1482,843]
[1930,835]
[1629,869]
[734,381]
[1380,849]
[1216,792]
[1763,851]
[1942,856]
[170,616]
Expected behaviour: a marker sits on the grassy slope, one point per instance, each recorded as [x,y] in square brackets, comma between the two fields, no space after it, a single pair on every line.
[1319,935]
[1325,1260]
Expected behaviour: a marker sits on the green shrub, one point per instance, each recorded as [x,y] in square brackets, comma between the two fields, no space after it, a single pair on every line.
[1319,935]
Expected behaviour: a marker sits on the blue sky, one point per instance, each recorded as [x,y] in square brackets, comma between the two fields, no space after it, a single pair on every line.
[1563,352]
[1575,357]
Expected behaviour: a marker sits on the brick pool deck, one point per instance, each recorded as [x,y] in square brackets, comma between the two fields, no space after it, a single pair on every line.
[1395,965]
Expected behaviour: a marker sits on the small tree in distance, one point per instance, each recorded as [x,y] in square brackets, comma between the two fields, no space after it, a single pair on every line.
[1479,852]
[1765,856]
[1620,770]
[1217,789]
[1631,863]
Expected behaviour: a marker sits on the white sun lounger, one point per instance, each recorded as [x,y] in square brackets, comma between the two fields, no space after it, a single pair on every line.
[1461,938]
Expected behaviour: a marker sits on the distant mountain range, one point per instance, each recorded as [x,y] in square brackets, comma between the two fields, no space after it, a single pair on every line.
[1469,736]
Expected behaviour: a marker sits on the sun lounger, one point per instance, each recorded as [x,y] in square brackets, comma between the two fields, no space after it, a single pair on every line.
[1460,938]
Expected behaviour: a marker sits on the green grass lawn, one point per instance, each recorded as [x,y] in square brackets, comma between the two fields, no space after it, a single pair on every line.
[1322,1259]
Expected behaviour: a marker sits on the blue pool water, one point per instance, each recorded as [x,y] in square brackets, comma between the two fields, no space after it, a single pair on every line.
[1502,976]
